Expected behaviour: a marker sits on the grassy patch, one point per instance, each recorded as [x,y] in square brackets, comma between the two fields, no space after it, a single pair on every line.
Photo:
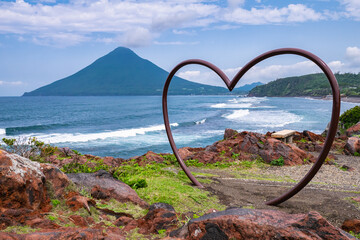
[130,208]
[269,177]
[167,187]
[20,229]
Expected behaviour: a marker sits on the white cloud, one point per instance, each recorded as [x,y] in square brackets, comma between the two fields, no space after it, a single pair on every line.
[16,83]
[353,56]
[235,3]
[136,37]
[183,32]
[133,23]
[352,8]
[61,39]
[268,15]
[175,43]
[336,66]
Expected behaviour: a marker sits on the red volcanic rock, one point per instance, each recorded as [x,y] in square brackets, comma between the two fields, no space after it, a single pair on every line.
[351,225]
[78,220]
[109,185]
[101,193]
[113,162]
[68,234]
[58,180]
[352,146]
[313,137]
[229,133]
[160,216]
[238,223]
[147,158]
[42,223]
[185,152]
[247,145]
[123,221]
[22,183]
[76,202]
[354,130]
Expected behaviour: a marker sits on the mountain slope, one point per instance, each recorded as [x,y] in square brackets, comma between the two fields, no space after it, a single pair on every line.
[308,85]
[121,72]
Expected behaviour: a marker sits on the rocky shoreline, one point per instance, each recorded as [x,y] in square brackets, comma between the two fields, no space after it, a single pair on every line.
[48,203]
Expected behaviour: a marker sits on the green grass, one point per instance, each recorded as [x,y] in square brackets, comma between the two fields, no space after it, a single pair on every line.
[278,162]
[135,210]
[20,229]
[168,187]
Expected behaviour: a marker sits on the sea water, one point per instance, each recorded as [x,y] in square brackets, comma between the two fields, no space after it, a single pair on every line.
[127,126]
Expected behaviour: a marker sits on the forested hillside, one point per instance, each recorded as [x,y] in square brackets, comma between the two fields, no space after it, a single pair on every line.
[309,85]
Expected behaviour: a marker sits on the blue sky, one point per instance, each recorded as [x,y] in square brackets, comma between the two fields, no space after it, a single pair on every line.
[42,41]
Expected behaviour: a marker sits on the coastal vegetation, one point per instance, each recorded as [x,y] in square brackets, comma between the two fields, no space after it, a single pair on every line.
[350,117]
[312,85]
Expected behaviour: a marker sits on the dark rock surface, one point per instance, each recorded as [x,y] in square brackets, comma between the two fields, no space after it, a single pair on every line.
[352,146]
[118,190]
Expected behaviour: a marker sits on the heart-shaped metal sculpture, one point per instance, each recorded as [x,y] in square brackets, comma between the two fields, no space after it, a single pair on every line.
[231,84]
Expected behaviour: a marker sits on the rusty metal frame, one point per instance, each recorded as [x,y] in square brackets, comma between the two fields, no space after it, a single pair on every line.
[230,84]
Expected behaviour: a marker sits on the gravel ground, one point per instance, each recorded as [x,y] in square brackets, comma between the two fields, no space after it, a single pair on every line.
[331,175]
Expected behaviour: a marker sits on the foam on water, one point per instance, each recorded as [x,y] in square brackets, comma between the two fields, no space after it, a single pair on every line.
[237,114]
[232,105]
[278,118]
[2,131]
[241,103]
[85,137]
[201,121]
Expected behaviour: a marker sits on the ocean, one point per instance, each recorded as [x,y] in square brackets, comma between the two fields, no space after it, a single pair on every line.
[127,126]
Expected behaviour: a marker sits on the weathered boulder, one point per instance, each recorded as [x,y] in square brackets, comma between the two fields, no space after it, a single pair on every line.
[149,157]
[75,201]
[160,216]
[68,234]
[354,130]
[238,223]
[112,162]
[185,152]
[57,180]
[118,190]
[22,183]
[352,146]
[313,137]
[351,225]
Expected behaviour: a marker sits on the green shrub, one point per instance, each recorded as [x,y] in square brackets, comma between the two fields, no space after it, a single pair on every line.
[194,163]
[76,167]
[29,148]
[55,202]
[278,162]
[350,117]
[170,159]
